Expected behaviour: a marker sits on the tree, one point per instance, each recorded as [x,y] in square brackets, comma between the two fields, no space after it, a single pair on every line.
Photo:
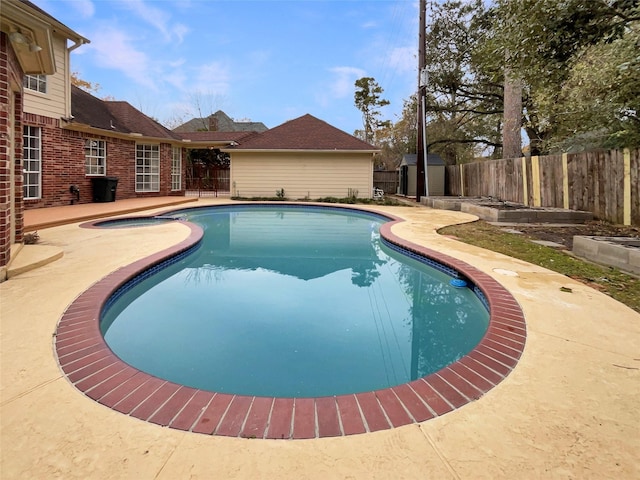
[609,115]
[512,120]
[396,139]
[200,105]
[210,157]
[463,95]
[84,84]
[546,41]
[368,100]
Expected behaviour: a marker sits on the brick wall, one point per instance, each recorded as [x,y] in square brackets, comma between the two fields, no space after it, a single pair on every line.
[63,165]
[10,74]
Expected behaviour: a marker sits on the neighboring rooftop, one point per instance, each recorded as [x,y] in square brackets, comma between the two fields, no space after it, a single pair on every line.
[304,133]
[214,136]
[219,122]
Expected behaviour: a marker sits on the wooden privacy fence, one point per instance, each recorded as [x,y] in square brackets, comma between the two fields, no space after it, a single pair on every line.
[386,180]
[207,178]
[606,183]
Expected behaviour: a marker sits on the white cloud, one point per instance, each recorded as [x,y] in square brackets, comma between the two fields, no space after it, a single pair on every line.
[403,59]
[341,85]
[178,78]
[157,18]
[344,80]
[213,77]
[180,31]
[115,49]
[85,8]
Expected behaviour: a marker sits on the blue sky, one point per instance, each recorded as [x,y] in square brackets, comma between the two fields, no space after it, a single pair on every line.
[267,61]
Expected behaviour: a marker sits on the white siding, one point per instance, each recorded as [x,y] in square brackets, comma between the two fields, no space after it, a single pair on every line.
[301,174]
[53,104]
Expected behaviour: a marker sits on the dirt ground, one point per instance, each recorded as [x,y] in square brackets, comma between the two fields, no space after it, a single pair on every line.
[564,234]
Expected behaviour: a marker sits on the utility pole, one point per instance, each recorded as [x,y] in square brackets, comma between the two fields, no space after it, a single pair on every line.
[421,185]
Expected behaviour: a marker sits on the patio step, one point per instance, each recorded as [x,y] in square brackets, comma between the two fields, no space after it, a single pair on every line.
[28,257]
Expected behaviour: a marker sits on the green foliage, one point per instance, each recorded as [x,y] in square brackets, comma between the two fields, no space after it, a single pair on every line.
[608,115]
[463,95]
[394,140]
[624,288]
[368,100]
[579,64]
[280,194]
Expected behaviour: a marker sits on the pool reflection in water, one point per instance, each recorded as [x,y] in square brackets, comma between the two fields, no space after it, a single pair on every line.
[293,302]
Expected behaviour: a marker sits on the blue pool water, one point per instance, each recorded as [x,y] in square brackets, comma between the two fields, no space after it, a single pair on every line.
[292,302]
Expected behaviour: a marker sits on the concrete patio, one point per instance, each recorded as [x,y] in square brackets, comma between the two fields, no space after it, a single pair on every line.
[568,410]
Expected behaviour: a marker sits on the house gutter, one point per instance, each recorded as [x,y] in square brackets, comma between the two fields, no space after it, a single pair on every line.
[132,136]
[297,150]
[78,43]
[199,145]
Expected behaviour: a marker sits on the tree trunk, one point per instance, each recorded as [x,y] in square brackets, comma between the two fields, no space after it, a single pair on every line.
[512,124]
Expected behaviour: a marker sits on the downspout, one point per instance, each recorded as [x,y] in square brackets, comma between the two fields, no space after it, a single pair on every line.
[77,43]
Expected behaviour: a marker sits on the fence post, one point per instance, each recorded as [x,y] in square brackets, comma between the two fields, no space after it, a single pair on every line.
[627,187]
[535,180]
[462,179]
[525,187]
[565,182]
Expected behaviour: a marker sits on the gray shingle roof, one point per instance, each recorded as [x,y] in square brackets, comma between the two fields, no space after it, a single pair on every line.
[221,122]
[114,116]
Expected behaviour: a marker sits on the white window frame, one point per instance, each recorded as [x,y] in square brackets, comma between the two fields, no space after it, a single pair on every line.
[95,157]
[36,83]
[147,167]
[176,168]
[32,162]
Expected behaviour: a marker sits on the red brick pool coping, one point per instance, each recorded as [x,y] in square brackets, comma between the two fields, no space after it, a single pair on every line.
[98,373]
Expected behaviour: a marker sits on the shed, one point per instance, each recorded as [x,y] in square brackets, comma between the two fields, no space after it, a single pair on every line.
[408,174]
[306,157]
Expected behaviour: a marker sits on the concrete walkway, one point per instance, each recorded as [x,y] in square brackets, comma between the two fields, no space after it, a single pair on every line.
[568,410]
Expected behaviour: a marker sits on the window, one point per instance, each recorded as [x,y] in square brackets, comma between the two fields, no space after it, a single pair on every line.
[95,157]
[37,83]
[176,168]
[147,168]
[32,162]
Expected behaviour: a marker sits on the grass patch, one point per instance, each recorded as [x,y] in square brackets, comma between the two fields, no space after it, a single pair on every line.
[611,281]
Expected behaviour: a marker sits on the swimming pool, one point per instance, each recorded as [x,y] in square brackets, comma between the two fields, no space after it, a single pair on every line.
[288,301]
[90,365]
[130,222]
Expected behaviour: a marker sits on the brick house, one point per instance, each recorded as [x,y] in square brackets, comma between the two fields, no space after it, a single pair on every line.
[56,139]
[35,93]
[112,139]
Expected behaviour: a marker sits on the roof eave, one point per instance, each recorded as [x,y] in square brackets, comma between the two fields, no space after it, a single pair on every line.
[136,137]
[207,144]
[296,150]
[54,22]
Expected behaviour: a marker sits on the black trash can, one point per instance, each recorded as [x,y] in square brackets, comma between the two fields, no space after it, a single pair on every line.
[104,189]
